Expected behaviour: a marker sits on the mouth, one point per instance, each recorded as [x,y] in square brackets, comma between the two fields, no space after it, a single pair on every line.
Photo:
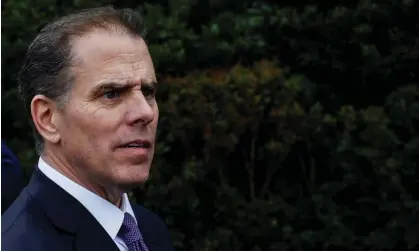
[137,144]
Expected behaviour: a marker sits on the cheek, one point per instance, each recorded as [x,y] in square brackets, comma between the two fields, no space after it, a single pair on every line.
[103,125]
[91,125]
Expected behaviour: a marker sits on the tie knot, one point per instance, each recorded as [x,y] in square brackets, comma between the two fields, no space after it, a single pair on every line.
[129,231]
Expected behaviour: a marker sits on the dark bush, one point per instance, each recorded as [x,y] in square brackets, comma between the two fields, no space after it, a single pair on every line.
[254,161]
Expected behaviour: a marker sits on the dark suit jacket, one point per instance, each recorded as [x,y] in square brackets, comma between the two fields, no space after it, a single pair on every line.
[12,181]
[46,218]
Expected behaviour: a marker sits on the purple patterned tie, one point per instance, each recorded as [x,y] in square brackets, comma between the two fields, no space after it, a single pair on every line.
[131,235]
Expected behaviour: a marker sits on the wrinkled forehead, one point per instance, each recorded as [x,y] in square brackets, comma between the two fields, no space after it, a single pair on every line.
[102,55]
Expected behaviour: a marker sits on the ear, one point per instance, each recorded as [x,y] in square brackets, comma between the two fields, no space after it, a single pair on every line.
[45,118]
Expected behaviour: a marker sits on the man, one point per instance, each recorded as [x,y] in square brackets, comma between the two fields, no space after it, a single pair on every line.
[89,83]
[12,181]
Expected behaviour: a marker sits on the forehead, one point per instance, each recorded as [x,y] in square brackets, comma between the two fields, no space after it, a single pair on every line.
[103,56]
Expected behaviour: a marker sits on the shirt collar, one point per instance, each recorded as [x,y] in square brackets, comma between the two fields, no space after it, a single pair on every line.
[108,215]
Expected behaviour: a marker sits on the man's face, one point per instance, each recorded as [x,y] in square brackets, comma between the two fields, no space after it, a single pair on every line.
[108,127]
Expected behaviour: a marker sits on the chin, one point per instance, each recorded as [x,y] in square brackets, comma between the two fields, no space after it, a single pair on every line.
[133,181]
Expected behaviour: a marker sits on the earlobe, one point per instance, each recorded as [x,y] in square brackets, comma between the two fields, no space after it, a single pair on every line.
[44,116]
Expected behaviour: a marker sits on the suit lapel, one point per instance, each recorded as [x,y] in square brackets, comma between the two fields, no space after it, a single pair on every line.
[69,215]
[91,236]
[146,230]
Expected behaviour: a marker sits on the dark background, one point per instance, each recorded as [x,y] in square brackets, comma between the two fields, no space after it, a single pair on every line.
[285,125]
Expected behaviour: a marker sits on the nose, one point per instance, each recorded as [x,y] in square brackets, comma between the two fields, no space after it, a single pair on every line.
[141,110]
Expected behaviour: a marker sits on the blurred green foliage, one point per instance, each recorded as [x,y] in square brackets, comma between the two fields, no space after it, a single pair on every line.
[289,126]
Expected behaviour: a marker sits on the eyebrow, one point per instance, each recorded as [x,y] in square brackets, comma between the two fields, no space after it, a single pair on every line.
[111,85]
[152,83]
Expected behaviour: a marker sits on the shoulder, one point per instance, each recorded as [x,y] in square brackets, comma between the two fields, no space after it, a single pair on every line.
[22,225]
[16,213]
[153,227]
[149,218]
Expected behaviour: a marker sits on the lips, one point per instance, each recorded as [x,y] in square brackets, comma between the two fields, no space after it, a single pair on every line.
[137,144]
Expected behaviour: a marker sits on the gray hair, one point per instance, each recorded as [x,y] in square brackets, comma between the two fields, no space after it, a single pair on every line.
[46,67]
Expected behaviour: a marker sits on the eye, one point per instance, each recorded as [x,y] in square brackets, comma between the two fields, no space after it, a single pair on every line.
[112,94]
[148,91]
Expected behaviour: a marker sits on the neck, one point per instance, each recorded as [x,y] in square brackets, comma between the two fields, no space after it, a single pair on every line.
[113,195]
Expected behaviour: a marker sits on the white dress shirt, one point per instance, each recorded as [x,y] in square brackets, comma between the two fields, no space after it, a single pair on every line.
[107,214]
